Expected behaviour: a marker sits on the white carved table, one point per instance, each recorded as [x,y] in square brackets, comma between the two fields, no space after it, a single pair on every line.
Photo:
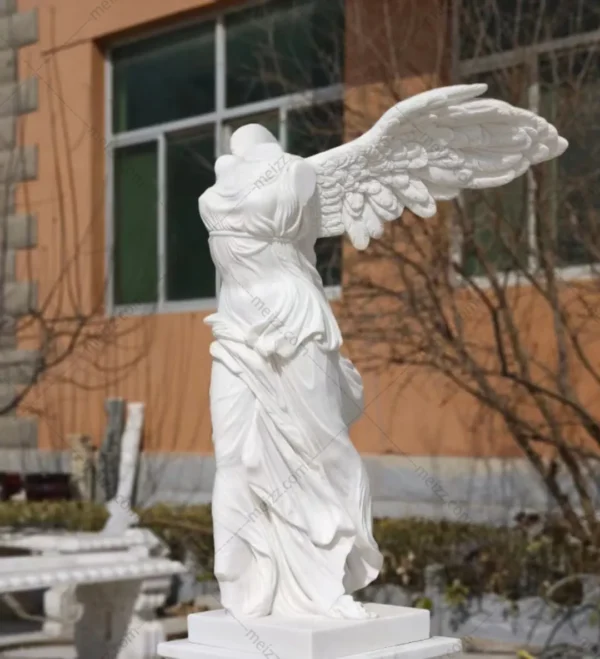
[152,594]
[106,585]
[397,633]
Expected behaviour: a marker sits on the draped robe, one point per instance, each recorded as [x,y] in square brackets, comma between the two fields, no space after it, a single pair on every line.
[291,501]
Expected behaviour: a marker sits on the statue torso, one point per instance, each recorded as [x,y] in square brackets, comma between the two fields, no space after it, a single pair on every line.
[262,243]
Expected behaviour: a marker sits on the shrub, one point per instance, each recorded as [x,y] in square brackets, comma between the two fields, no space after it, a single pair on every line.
[474,559]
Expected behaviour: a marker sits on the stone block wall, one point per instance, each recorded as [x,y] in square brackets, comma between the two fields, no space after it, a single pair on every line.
[18,163]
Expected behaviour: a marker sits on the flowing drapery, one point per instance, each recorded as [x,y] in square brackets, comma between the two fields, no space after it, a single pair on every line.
[291,504]
[291,501]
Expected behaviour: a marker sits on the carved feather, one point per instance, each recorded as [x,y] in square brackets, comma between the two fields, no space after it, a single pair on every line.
[424,149]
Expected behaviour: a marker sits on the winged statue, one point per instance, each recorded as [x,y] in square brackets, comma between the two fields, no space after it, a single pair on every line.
[291,501]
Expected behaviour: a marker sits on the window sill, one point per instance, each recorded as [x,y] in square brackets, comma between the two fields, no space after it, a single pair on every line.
[509,279]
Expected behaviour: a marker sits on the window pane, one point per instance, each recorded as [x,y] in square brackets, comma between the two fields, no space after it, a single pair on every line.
[164,78]
[494,222]
[309,131]
[492,26]
[190,162]
[283,47]
[495,228]
[135,224]
[569,190]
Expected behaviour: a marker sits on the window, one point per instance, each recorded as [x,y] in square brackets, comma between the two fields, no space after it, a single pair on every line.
[494,221]
[163,79]
[291,47]
[175,99]
[189,165]
[135,192]
[569,188]
[551,214]
[310,130]
[489,27]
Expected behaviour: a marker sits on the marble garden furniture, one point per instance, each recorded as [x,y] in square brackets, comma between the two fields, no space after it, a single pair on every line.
[117,537]
[105,584]
[142,542]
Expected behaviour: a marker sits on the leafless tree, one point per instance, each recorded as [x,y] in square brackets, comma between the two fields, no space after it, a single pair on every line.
[497,296]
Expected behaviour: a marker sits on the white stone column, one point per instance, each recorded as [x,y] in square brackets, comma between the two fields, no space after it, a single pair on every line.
[119,508]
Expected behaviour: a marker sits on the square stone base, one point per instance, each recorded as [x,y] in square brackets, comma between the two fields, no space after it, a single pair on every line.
[311,637]
[397,631]
[438,646]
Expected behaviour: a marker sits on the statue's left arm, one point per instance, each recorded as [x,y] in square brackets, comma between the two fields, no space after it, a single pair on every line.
[427,148]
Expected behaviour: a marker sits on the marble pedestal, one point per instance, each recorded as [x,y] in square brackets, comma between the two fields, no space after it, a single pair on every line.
[397,632]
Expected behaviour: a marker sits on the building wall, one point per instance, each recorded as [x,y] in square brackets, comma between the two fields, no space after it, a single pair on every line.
[163,360]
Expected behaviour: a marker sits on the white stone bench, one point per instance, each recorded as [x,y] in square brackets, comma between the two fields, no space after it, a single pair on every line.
[153,591]
[397,633]
[106,586]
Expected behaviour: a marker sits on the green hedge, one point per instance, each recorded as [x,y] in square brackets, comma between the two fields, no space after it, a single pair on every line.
[475,559]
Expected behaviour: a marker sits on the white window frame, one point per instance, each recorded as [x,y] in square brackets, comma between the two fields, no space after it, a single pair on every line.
[527,57]
[219,118]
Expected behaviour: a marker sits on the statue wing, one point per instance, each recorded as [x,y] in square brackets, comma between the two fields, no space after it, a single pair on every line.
[424,149]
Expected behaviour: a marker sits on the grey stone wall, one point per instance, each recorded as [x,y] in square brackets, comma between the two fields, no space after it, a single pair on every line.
[18,163]
[463,489]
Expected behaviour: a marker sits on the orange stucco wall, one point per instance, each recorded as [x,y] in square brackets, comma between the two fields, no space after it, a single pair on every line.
[162,360]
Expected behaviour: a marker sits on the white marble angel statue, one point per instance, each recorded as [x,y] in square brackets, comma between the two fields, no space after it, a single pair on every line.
[291,502]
